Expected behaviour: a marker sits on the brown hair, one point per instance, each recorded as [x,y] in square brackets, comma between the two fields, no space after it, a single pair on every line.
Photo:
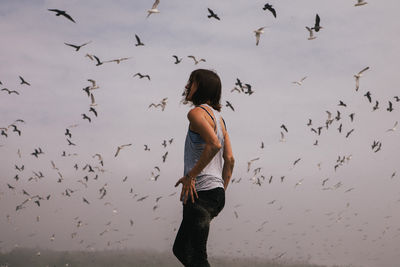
[208,88]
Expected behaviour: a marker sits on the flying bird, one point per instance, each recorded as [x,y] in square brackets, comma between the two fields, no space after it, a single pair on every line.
[393,128]
[98,61]
[23,81]
[390,108]
[270,8]
[62,13]
[301,81]
[360,3]
[118,60]
[121,147]
[258,33]
[358,76]
[284,127]
[349,132]
[77,47]
[138,41]
[10,91]
[376,106]
[229,105]
[341,103]
[84,116]
[195,60]
[141,76]
[212,14]
[177,60]
[311,36]
[368,95]
[317,27]
[153,8]
[164,157]
[93,110]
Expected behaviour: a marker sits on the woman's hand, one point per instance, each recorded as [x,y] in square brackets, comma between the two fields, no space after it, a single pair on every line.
[188,187]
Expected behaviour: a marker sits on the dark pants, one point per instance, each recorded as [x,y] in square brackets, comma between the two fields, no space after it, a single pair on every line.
[190,246]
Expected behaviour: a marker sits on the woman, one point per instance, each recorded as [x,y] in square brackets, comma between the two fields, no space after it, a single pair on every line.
[208,166]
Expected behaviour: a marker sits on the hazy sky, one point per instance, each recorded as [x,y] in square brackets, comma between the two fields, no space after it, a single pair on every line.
[351,219]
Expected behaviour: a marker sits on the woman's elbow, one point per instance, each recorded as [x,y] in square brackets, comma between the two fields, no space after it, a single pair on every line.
[215,147]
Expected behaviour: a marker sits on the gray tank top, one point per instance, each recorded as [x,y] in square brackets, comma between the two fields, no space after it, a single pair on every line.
[211,176]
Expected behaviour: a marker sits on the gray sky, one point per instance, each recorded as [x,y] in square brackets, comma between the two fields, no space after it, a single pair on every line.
[324,224]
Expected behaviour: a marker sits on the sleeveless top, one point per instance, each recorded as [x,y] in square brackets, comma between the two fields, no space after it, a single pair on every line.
[211,176]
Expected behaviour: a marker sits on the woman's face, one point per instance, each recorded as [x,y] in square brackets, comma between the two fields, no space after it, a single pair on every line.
[191,88]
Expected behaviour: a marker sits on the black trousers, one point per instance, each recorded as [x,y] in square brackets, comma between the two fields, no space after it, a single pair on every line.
[190,246]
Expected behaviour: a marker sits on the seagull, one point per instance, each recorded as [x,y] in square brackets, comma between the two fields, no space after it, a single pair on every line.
[397,98]
[316,27]
[229,105]
[296,161]
[177,60]
[23,81]
[236,89]
[311,37]
[352,116]
[360,3]
[368,95]
[341,103]
[84,116]
[301,81]
[393,128]
[93,102]
[62,13]
[258,33]
[142,76]
[324,181]
[376,106]
[121,147]
[153,8]
[98,61]
[68,133]
[390,108]
[70,143]
[138,42]
[270,8]
[10,91]
[250,162]
[93,110]
[164,157]
[77,47]
[284,127]
[212,14]
[349,132]
[197,61]
[358,76]
[309,122]
[282,137]
[118,60]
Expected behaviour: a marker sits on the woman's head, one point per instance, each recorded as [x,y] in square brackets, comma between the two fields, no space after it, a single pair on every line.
[204,86]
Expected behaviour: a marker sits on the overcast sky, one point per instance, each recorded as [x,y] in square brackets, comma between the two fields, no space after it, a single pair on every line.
[351,219]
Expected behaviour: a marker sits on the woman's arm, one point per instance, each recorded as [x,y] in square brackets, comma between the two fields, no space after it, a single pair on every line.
[229,160]
[199,124]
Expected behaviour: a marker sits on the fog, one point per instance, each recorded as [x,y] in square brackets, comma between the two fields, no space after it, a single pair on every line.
[338,205]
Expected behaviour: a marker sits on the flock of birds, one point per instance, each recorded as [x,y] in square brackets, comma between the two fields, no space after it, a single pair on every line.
[95,169]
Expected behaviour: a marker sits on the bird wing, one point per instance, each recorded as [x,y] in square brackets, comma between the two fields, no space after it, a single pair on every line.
[366,68]
[137,39]
[68,17]
[72,45]
[155,4]
[317,20]
[92,99]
